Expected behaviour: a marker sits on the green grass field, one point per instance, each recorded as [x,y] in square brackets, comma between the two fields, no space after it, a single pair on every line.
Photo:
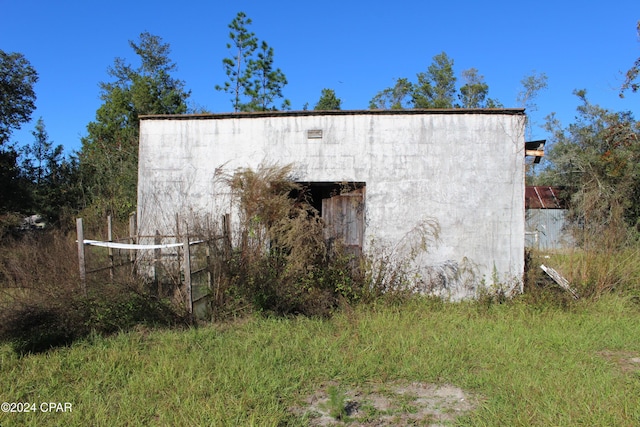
[525,365]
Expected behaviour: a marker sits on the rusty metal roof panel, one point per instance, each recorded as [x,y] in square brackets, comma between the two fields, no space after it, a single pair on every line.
[544,197]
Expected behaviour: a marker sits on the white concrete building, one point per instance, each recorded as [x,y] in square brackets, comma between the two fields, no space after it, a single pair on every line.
[460,169]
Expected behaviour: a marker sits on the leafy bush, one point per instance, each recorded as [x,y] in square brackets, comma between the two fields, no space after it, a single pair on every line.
[32,324]
[37,328]
[122,307]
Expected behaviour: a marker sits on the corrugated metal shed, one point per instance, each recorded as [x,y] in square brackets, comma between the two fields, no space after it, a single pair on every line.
[545,229]
[546,218]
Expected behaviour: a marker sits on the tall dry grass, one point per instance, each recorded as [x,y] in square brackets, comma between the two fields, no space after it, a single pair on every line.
[280,261]
[596,273]
[43,304]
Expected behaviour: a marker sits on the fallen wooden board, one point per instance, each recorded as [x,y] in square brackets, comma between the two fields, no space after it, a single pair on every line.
[557,277]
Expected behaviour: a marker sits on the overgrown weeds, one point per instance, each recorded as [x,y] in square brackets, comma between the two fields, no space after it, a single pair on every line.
[283,261]
[279,261]
[604,260]
[595,273]
[591,273]
[337,403]
[392,270]
[540,289]
[42,304]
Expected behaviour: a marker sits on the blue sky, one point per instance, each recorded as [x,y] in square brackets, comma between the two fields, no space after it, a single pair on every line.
[356,48]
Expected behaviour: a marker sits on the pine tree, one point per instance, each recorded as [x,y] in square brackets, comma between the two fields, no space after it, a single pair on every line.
[243,44]
[397,97]
[52,180]
[266,84]
[328,100]
[436,87]
[253,81]
[109,154]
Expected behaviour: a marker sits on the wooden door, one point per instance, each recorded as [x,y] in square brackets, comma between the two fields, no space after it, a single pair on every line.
[343,216]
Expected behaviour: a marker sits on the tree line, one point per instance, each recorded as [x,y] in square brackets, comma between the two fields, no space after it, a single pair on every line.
[596,157]
[596,161]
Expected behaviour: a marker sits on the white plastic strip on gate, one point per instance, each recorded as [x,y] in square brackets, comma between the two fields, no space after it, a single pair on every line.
[135,247]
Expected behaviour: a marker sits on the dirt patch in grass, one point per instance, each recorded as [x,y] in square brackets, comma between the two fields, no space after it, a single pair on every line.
[394,404]
[627,361]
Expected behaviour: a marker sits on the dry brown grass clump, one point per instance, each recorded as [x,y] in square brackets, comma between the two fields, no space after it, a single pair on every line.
[280,261]
[43,305]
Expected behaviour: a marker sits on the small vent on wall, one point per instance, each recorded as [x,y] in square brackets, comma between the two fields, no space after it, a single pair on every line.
[314,134]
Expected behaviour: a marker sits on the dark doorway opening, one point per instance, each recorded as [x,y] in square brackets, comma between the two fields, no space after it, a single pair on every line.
[341,205]
[316,192]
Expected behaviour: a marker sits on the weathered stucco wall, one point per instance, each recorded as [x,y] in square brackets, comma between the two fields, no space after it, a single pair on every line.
[465,170]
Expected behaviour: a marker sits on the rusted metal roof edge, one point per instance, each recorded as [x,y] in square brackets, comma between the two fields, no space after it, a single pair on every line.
[259,114]
[544,197]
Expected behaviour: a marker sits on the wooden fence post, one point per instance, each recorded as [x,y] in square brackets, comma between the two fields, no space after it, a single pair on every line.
[132,236]
[208,261]
[157,255]
[187,274]
[81,257]
[226,232]
[110,239]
